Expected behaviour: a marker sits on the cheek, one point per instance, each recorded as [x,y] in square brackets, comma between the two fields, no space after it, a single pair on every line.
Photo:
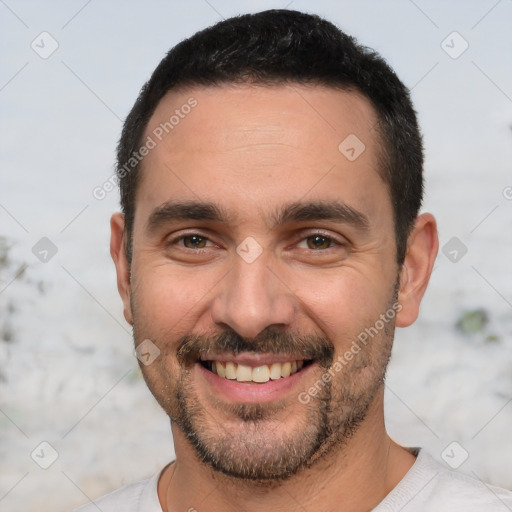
[171,300]
[344,302]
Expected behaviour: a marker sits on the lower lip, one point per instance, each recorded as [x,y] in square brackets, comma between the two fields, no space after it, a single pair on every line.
[251,392]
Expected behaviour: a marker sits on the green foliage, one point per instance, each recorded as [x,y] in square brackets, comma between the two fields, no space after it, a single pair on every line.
[472,321]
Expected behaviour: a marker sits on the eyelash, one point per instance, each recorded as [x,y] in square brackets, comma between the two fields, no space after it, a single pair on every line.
[181,238]
[334,241]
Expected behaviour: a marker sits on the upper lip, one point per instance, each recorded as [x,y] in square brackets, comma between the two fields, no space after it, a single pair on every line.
[251,359]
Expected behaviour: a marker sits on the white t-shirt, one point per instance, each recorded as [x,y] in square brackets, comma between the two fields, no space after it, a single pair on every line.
[427,487]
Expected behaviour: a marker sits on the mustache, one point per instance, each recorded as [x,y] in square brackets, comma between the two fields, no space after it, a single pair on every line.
[311,346]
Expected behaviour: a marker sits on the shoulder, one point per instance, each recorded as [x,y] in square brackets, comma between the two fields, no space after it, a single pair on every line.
[456,491]
[139,496]
[430,487]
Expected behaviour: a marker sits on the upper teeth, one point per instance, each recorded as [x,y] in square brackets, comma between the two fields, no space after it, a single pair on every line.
[264,373]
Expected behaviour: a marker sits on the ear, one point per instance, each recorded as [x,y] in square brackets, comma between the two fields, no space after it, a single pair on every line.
[422,247]
[118,253]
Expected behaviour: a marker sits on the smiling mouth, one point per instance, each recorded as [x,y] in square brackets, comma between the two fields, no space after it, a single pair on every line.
[257,374]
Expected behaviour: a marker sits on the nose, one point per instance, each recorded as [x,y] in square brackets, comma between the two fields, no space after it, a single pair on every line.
[252,297]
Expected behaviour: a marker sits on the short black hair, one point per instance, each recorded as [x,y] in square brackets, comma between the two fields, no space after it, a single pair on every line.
[279,47]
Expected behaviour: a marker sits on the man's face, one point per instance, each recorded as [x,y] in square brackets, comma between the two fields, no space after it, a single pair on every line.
[257,243]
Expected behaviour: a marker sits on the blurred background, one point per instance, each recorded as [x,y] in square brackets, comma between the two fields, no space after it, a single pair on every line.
[76,419]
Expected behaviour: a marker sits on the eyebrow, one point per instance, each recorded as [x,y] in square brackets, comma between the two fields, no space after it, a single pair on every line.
[184,210]
[322,210]
[293,212]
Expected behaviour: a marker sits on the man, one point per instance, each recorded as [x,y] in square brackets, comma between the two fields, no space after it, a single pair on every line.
[271,179]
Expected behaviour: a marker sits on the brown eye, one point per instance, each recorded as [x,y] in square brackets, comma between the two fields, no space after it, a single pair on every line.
[318,242]
[194,241]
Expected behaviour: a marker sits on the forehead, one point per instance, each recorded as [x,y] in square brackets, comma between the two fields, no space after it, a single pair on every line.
[262,144]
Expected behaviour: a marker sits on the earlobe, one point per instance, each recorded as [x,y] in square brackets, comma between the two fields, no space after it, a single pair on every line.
[415,274]
[118,253]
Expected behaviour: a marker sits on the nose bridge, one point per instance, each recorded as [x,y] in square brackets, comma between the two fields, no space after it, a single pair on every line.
[251,298]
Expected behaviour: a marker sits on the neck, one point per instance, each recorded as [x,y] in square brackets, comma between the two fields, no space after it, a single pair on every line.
[355,476]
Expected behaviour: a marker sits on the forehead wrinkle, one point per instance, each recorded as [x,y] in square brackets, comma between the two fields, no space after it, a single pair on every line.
[262,145]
